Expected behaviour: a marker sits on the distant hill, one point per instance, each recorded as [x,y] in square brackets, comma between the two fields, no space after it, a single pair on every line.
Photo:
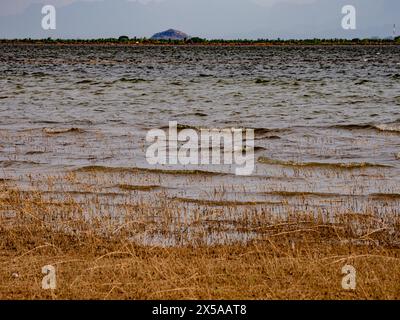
[170,34]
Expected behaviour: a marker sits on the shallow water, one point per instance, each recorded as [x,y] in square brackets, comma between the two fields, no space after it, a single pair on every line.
[327,120]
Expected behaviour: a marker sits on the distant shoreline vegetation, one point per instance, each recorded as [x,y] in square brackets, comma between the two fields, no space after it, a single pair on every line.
[124,40]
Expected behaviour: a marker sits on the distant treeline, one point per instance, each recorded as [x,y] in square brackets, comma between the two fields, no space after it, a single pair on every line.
[199,41]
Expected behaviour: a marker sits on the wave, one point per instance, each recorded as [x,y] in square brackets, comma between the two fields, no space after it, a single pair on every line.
[262,81]
[22,163]
[131,80]
[61,130]
[128,187]
[221,203]
[289,194]
[106,169]
[86,81]
[353,126]
[199,114]
[258,132]
[71,122]
[362,81]
[385,196]
[266,131]
[181,127]
[332,165]
[388,127]
[33,152]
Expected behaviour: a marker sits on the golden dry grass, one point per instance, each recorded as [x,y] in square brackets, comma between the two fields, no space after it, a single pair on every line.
[295,257]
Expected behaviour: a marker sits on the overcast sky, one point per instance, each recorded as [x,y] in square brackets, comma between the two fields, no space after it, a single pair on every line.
[227,19]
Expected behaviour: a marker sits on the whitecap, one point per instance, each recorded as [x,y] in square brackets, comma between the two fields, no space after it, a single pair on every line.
[391,127]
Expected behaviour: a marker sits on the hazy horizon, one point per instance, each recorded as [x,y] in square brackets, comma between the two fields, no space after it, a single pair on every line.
[212,19]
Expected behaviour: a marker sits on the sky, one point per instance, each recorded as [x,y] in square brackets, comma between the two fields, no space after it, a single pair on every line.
[213,19]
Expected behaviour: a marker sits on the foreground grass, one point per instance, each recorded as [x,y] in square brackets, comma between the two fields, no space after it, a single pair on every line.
[299,257]
[258,271]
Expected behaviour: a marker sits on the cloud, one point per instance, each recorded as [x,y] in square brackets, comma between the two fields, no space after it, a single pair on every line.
[12,7]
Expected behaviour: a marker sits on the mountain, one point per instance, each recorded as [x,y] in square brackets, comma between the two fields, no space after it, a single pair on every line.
[170,34]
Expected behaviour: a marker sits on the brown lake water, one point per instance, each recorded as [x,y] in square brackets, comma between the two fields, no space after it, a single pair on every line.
[326,120]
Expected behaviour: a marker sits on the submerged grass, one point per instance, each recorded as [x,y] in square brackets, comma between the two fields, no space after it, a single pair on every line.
[348,166]
[297,256]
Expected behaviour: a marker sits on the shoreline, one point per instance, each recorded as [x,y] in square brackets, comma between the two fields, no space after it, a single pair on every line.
[255,43]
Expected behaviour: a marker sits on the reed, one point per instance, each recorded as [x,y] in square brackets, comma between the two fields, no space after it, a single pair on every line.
[158,250]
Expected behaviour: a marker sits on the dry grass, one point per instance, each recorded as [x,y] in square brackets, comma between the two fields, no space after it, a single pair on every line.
[299,256]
